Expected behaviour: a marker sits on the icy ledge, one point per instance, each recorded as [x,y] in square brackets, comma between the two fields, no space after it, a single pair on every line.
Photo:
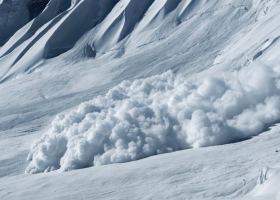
[161,114]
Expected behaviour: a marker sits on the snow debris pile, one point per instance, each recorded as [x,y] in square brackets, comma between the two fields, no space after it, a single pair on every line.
[161,114]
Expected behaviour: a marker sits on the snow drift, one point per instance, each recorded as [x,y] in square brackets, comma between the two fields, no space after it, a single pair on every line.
[161,114]
[268,183]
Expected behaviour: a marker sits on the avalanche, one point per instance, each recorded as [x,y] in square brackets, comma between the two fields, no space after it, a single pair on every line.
[160,114]
[159,79]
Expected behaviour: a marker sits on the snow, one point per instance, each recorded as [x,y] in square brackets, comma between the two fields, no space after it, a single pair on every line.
[161,114]
[123,30]
[134,69]
[220,172]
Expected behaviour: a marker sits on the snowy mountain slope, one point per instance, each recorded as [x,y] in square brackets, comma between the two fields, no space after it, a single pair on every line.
[180,48]
[162,19]
[160,114]
[45,70]
[221,172]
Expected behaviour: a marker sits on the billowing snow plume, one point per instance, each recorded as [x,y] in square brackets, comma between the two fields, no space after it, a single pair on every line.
[160,114]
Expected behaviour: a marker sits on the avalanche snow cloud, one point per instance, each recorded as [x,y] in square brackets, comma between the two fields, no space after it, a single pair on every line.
[160,114]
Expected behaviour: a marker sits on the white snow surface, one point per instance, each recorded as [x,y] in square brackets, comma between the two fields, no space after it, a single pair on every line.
[106,82]
[221,172]
[161,114]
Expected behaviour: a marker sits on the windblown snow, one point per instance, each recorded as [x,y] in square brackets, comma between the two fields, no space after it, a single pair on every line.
[161,114]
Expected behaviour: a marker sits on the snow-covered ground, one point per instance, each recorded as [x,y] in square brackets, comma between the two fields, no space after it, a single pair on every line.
[223,88]
[220,172]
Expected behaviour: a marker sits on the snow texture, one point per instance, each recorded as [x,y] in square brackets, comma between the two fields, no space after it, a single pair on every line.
[55,54]
[160,114]
[268,183]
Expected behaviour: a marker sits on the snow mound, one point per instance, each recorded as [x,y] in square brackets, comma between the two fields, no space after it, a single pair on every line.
[160,114]
[268,184]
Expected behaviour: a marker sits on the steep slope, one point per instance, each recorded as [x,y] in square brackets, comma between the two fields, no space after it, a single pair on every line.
[17,13]
[73,51]
[131,24]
